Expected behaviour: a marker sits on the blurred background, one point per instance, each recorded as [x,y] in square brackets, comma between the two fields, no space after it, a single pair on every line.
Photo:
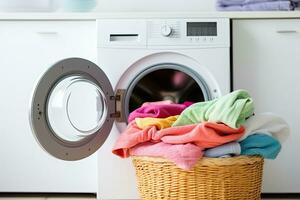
[104,5]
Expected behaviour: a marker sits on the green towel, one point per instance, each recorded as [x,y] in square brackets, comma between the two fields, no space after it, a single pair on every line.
[231,109]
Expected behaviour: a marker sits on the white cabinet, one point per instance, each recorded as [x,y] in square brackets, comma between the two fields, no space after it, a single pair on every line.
[266,61]
[27,49]
[154,5]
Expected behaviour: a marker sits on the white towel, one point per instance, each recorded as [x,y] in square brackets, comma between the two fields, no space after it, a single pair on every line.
[267,123]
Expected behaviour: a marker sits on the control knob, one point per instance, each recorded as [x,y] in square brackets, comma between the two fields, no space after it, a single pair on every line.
[166,30]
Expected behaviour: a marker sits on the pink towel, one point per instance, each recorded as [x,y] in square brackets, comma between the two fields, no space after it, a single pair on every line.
[165,102]
[184,156]
[188,103]
[204,135]
[132,136]
[158,110]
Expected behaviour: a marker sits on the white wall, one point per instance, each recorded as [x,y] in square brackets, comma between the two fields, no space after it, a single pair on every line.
[156,5]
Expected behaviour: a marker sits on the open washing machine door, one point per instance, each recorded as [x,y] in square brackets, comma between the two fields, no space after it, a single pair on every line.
[72,109]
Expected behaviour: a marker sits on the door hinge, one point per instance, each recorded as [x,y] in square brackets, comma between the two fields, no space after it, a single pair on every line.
[115,115]
[116,98]
[119,114]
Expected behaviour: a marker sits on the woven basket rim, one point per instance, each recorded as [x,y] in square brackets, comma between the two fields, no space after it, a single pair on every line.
[237,160]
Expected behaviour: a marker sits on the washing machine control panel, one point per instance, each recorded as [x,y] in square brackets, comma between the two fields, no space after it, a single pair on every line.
[165,33]
[194,32]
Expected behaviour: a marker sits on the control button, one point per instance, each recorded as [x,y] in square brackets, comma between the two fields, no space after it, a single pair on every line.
[191,39]
[166,30]
[204,39]
[197,39]
[211,39]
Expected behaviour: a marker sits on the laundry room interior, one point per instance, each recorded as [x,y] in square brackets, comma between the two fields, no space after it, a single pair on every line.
[149,100]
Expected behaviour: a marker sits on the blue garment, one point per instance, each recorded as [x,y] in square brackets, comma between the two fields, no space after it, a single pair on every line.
[296,4]
[231,148]
[260,144]
[259,6]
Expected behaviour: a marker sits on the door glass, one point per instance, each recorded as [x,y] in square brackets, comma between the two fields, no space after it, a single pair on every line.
[170,84]
[76,108]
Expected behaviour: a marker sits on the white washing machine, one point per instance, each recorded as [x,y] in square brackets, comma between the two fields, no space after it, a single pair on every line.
[79,107]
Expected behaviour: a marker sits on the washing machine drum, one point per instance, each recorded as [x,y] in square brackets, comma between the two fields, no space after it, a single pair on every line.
[74,106]
[166,82]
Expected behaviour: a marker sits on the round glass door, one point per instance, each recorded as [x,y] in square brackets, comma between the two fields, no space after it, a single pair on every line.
[76,108]
[71,108]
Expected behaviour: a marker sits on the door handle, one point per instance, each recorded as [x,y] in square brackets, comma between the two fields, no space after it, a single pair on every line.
[286,31]
[47,33]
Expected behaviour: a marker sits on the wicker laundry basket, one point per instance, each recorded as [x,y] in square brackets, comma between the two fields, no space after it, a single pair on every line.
[211,179]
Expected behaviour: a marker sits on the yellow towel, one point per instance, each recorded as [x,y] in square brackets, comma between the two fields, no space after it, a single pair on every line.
[160,123]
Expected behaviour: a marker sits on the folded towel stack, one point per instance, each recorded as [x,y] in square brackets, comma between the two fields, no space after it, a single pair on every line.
[222,127]
[255,5]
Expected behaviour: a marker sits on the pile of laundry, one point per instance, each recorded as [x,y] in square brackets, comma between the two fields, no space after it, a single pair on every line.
[257,5]
[184,133]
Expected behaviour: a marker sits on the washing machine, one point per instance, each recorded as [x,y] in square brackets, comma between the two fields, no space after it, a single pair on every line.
[79,107]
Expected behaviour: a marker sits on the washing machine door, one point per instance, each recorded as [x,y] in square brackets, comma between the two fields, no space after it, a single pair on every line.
[72,109]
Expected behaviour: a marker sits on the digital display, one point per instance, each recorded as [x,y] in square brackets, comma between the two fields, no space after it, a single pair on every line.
[201,28]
